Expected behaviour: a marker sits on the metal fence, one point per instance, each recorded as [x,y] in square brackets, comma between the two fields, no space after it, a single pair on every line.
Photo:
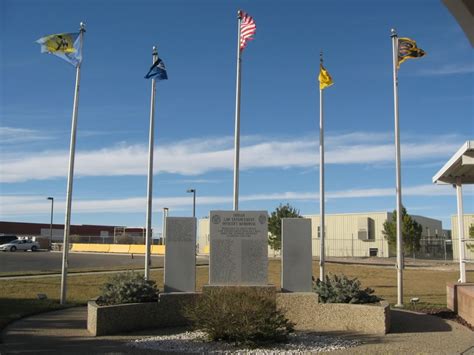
[430,248]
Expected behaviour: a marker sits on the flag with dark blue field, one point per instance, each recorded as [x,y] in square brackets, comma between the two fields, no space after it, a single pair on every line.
[157,71]
[407,49]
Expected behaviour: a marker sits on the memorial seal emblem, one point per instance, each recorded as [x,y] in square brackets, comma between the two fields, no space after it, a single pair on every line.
[262,219]
[216,219]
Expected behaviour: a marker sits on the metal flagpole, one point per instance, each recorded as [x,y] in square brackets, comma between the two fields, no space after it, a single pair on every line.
[163,225]
[149,197]
[70,176]
[462,254]
[398,174]
[50,245]
[321,182]
[237,119]
[163,237]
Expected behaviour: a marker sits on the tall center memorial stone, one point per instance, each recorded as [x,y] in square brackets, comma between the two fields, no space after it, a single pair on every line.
[238,248]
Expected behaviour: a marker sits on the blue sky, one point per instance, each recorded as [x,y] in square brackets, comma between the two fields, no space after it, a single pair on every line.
[195,107]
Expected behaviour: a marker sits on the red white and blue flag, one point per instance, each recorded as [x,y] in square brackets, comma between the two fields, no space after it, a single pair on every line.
[247,29]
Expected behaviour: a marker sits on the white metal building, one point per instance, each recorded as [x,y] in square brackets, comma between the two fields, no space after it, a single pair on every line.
[347,235]
[360,234]
[468,247]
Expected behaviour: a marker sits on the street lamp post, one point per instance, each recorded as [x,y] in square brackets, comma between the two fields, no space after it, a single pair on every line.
[51,223]
[163,231]
[194,200]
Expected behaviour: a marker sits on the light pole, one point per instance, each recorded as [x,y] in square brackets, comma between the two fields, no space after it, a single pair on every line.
[163,231]
[194,200]
[51,223]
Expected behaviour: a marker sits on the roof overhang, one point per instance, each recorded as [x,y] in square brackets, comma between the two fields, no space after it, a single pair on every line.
[463,12]
[461,166]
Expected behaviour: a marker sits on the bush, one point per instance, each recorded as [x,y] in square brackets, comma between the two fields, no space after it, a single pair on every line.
[341,289]
[241,315]
[129,287]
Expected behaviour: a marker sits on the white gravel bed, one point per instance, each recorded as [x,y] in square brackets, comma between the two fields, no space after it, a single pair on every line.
[196,343]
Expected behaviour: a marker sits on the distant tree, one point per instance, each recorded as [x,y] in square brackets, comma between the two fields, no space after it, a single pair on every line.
[470,246]
[411,232]
[274,223]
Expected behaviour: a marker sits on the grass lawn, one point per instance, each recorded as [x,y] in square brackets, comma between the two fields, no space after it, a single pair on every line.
[19,297]
[71,270]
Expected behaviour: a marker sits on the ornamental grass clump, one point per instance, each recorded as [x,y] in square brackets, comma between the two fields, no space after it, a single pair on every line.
[129,287]
[341,289]
[239,315]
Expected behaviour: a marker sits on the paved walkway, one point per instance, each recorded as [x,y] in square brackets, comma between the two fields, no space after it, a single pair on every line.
[64,332]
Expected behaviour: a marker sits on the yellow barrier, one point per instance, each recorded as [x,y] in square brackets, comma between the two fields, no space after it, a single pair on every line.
[205,250]
[158,249]
[76,247]
[100,248]
[137,249]
[119,248]
[83,247]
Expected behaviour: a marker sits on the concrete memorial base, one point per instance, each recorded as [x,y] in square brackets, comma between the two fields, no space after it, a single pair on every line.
[167,312]
[460,299]
[303,309]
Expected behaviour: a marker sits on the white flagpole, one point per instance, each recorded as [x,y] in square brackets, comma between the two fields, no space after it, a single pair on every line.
[163,225]
[163,236]
[237,119]
[149,198]
[321,183]
[398,173]
[462,252]
[70,176]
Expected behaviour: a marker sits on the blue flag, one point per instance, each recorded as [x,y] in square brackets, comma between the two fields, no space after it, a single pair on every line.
[157,71]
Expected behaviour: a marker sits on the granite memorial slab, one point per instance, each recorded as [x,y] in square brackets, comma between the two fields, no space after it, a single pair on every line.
[296,259]
[180,254]
[238,248]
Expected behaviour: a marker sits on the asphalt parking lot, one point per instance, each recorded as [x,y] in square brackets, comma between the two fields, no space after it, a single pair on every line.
[50,262]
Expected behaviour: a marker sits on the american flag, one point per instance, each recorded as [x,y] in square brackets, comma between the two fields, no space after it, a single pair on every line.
[247,29]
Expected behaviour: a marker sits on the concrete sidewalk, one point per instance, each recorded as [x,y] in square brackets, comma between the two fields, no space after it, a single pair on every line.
[64,332]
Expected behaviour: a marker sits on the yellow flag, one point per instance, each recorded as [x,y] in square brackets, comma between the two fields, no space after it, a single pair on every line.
[325,79]
[64,45]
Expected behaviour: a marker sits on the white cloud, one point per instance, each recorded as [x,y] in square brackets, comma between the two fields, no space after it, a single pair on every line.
[358,138]
[17,135]
[198,156]
[17,205]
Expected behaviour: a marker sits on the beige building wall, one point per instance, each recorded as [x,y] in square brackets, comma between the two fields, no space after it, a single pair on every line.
[468,221]
[342,235]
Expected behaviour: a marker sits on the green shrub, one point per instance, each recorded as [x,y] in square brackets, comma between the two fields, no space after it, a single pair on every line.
[240,315]
[129,287]
[341,289]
